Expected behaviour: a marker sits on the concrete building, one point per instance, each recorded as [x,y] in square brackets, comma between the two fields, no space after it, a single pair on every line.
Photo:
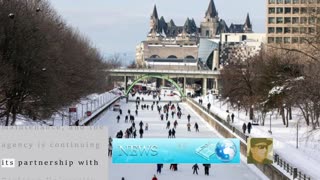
[288,21]
[240,46]
[169,46]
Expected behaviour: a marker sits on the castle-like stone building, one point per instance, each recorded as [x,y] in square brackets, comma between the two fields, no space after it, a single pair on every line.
[169,46]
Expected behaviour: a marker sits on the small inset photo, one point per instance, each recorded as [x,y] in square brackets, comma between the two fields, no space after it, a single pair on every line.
[260,151]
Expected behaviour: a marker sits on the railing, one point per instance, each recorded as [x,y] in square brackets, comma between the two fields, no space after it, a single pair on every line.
[295,172]
[166,71]
[289,169]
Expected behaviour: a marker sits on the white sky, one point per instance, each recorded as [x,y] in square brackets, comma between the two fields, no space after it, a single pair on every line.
[118,26]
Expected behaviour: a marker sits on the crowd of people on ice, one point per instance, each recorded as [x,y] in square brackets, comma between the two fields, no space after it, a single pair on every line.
[164,112]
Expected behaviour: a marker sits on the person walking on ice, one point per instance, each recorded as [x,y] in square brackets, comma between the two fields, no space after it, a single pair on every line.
[249,127]
[188,117]
[196,126]
[118,119]
[189,126]
[154,177]
[244,128]
[195,168]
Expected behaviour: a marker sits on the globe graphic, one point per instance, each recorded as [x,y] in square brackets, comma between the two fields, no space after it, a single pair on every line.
[225,150]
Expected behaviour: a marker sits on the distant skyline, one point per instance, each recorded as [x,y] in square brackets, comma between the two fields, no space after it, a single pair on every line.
[118,26]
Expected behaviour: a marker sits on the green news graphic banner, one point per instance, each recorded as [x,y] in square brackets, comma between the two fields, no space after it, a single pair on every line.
[45,153]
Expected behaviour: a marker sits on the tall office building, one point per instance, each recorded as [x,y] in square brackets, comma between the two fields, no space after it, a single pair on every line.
[290,21]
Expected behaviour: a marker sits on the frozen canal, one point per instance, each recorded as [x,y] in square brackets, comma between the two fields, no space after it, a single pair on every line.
[157,129]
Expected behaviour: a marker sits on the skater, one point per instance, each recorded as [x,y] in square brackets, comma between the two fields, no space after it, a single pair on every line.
[136,112]
[196,126]
[126,119]
[147,107]
[172,114]
[141,132]
[228,119]
[154,177]
[206,169]
[195,168]
[110,150]
[118,119]
[120,111]
[175,124]
[189,125]
[141,124]
[188,117]
[167,115]
[129,111]
[151,107]
[173,133]
[169,133]
[168,125]
[208,106]
[244,128]
[161,116]
[159,167]
[146,127]
[232,117]
[249,127]
[134,133]
[122,178]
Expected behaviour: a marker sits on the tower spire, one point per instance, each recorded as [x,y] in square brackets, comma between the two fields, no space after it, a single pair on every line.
[212,12]
[154,13]
[248,23]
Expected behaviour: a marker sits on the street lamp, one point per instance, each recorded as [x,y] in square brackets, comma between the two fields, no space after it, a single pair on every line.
[220,96]
[270,123]
[252,106]
[227,103]
[238,107]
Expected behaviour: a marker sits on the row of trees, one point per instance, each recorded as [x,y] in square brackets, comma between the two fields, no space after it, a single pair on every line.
[275,80]
[44,64]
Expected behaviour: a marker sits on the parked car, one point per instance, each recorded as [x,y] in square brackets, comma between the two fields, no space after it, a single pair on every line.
[116,107]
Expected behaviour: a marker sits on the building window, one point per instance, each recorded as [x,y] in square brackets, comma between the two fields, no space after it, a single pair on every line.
[302,40]
[303,10]
[287,30]
[279,29]
[287,1]
[295,20]
[311,10]
[295,30]
[279,1]
[312,20]
[270,39]
[295,1]
[287,20]
[287,10]
[278,39]
[286,39]
[271,1]
[279,10]
[271,30]
[295,40]
[311,30]
[303,1]
[303,30]
[312,1]
[279,20]
[272,10]
[271,20]
[295,10]
[303,20]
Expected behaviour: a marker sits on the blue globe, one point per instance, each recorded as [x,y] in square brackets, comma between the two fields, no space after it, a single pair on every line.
[225,150]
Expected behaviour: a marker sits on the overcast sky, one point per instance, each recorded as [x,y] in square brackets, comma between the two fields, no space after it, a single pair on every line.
[119,25]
